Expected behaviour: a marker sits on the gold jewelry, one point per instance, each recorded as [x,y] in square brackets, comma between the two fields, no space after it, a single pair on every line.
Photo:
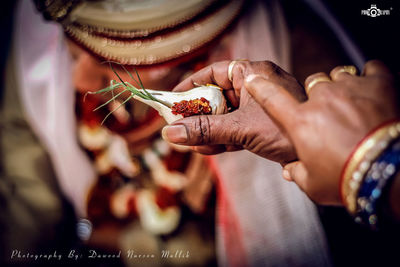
[230,68]
[349,69]
[361,159]
[352,70]
[315,81]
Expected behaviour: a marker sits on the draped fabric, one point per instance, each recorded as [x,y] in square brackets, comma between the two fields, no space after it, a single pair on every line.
[44,71]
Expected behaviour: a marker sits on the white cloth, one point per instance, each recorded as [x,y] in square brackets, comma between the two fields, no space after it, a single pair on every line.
[47,95]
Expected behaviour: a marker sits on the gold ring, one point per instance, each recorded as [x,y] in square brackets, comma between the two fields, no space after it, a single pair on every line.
[315,81]
[349,69]
[230,68]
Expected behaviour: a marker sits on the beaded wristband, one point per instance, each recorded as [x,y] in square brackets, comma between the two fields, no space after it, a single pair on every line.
[360,161]
[381,173]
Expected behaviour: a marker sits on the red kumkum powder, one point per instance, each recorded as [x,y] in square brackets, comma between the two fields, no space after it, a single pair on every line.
[192,107]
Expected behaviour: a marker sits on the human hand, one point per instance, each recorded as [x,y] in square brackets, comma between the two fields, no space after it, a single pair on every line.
[325,129]
[247,127]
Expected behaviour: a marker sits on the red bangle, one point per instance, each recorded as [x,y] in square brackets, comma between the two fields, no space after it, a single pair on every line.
[360,159]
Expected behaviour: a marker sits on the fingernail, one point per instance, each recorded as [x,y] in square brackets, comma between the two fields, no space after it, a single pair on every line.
[286,175]
[174,134]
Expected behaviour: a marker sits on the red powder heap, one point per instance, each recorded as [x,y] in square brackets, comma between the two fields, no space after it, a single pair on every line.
[192,107]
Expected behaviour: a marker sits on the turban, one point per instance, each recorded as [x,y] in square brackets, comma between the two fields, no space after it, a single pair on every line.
[141,32]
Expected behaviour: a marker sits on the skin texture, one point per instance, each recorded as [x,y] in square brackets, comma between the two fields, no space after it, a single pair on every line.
[321,132]
[241,128]
[329,125]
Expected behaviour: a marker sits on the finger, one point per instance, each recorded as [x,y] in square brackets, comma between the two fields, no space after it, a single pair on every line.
[230,95]
[343,72]
[296,172]
[215,73]
[215,149]
[273,98]
[209,150]
[232,148]
[269,71]
[231,68]
[375,67]
[202,130]
[316,80]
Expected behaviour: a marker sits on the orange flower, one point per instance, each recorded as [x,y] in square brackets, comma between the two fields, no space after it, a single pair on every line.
[192,107]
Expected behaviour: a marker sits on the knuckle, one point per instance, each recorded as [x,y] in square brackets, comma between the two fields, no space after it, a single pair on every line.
[334,72]
[202,129]
[239,133]
[373,63]
[242,64]
[376,67]
[271,68]
[324,92]
[269,65]
[265,68]
[336,68]
[243,67]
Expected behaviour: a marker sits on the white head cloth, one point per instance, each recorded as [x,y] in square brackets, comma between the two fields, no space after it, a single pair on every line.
[262,219]
[47,95]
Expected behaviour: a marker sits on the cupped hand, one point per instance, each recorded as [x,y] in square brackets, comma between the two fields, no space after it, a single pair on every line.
[247,126]
[325,129]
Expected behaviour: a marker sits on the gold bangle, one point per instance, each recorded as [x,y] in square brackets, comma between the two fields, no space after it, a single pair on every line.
[361,159]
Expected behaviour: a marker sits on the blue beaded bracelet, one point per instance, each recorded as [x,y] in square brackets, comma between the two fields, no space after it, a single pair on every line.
[380,174]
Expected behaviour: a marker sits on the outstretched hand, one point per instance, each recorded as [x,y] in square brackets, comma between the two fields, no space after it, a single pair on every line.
[247,126]
[342,108]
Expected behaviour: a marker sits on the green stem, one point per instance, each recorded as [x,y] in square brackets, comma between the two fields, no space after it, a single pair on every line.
[128,87]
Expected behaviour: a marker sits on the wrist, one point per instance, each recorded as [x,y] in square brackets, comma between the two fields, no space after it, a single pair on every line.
[369,172]
[361,159]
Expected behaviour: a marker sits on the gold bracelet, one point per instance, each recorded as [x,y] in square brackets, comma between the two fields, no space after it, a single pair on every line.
[361,159]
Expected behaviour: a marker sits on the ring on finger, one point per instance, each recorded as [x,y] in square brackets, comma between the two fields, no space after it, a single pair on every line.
[349,69]
[230,68]
[315,81]
[352,70]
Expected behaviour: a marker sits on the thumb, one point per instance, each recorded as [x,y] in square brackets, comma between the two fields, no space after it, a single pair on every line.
[202,130]
[296,172]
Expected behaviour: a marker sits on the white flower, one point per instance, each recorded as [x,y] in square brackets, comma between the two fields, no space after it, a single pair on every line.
[153,218]
[210,92]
